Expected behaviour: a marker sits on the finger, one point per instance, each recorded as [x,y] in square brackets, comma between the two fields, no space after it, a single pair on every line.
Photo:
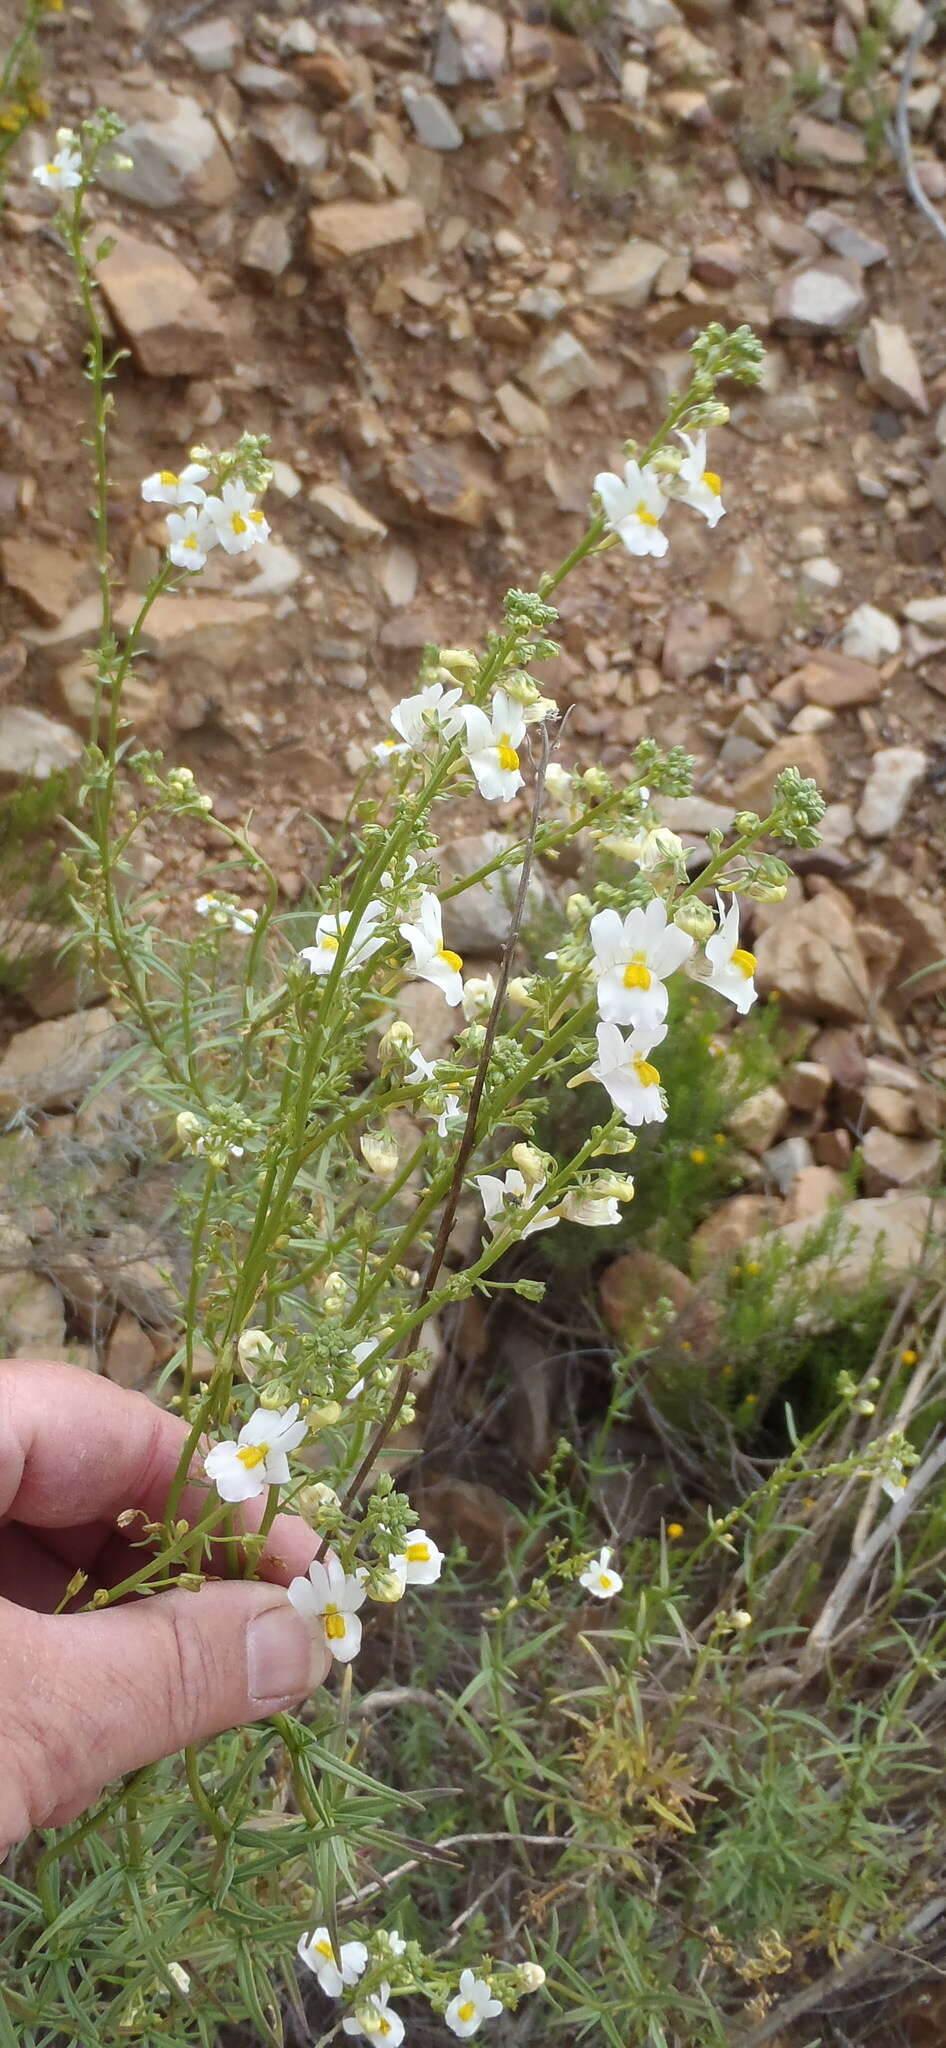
[30,1575]
[114,1690]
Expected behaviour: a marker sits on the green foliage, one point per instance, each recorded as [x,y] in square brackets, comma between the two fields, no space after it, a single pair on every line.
[32,888]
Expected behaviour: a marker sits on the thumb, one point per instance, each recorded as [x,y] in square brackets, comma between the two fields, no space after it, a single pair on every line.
[114,1690]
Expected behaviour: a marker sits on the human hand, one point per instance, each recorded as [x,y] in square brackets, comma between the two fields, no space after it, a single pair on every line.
[86,1697]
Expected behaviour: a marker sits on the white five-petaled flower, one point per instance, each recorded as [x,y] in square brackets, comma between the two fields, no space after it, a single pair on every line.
[633,957]
[634,506]
[491,746]
[242,1470]
[420,1562]
[432,710]
[472,2005]
[191,535]
[316,1952]
[421,1068]
[63,172]
[320,958]
[502,1198]
[598,1579]
[731,966]
[623,1068]
[433,961]
[376,2019]
[238,917]
[237,520]
[596,1212]
[698,486]
[165,487]
[329,1599]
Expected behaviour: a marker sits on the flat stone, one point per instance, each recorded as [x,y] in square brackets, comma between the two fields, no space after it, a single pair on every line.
[294,136]
[806,1086]
[129,1355]
[276,570]
[32,1321]
[645,17]
[783,1163]
[44,575]
[818,573]
[804,751]
[226,629]
[33,745]
[814,1189]
[335,508]
[630,1289]
[927,611]
[348,229]
[893,1162]
[178,159]
[268,82]
[503,116]
[846,238]
[529,421]
[812,959]
[895,772]
[721,1236]
[870,635]
[442,481]
[267,248]
[560,370]
[173,328]
[431,119]
[756,1123]
[888,1235]
[835,680]
[824,142]
[889,363]
[479,920]
[695,814]
[694,639]
[821,298]
[720,263]
[628,277]
[472,45]
[52,1065]
[212,45]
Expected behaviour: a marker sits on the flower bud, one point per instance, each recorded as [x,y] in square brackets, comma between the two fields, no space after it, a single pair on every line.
[519,991]
[380,1154]
[255,1351]
[200,453]
[334,1291]
[667,461]
[312,1501]
[188,1127]
[324,1415]
[386,1585]
[746,821]
[696,918]
[478,995]
[398,1041]
[659,847]
[578,908]
[531,1976]
[595,781]
[460,662]
[558,782]
[614,1187]
[275,1395]
[741,1618]
[534,1166]
[762,891]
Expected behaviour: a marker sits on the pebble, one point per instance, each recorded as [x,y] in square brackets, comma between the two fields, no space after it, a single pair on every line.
[936,481]
[431,119]
[757,1121]
[177,156]
[818,574]
[628,277]
[895,772]
[44,575]
[53,1065]
[832,679]
[212,45]
[824,142]
[294,136]
[267,248]
[783,1163]
[479,920]
[813,958]
[695,637]
[336,509]
[349,228]
[846,238]
[443,482]
[822,298]
[174,329]
[560,370]
[870,634]
[893,1162]
[889,364]
[33,745]
[471,47]
[927,611]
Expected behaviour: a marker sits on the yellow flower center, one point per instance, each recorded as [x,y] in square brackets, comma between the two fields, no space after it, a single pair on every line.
[604,1581]
[637,974]
[237,522]
[744,960]
[508,758]
[452,960]
[168,477]
[257,518]
[646,518]
[466,2011]
[417,1553]
[191,541]
[334,1624]
[54,170]
[330,944]
[647,1075]
[253,1455]
[324,1948]
[713,482]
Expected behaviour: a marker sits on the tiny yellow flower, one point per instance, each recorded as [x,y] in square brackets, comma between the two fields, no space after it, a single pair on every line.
[698,1155]
[909,1357]
[674,1531]
[753,1267]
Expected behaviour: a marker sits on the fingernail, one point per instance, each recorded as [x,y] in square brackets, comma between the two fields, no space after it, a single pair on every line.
[283,1661]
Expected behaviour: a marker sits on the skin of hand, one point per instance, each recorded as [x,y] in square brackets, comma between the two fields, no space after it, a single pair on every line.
[84,1698]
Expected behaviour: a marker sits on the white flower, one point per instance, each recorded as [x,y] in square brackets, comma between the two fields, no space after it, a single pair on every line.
[479,995]
[420,1562]
[421,1068]
[192,534]
[633,957]
[433,961]
[649,849]
[695,484]
[385,750]
[165,487]
[238,917]
[432,710]
[63,172]
[329,1599]
[237,521]
[558,782]
[624,1070]
[320,958]
[731,966]
[316,1952]
[491,745]
[450,1111]
[597,1212]
[634,508]
[471,2006]
[502,1198]
[255,1350]
[376,2019]
[598,1579]
[395,1941]
[531,1976]
[242,1470]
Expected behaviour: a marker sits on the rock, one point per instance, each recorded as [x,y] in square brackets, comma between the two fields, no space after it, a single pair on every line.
[123,1258]
[929,612]
[893,1162]
[483,118]
[694,639]
[79,1283]
[813,959]
[892,1108]
[433,1024]
[870,635]
[33,745]
[471,47]
[32,1324]
[529,422]
[833,1148]
[277,569]
[173,328]
[335,508]
[895,772]
[441,481]
[804,751]
[720,263]
[806,1086]
[177,156]
[347,229]
[52,1065]
[820,298]
[824,142]
[630,1289]
[889,364]
[742,584]
[813,1190]
[817,573]
[560,369]
[783,1163]
[129,1354]
[628,277]
[644,17]
[846,238]
[834,680]
[431,120]
[842,1053]
[756,1123]
[44,575]
[635,81]
[268,82]
[398,576]
[294,136]
[889,1236]
[694,814]
[267,248]
[734,1224]
[479,920]
[225,629]
[212,45]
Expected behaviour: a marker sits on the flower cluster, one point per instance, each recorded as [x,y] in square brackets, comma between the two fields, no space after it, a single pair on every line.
[373,2017]
[197,522]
